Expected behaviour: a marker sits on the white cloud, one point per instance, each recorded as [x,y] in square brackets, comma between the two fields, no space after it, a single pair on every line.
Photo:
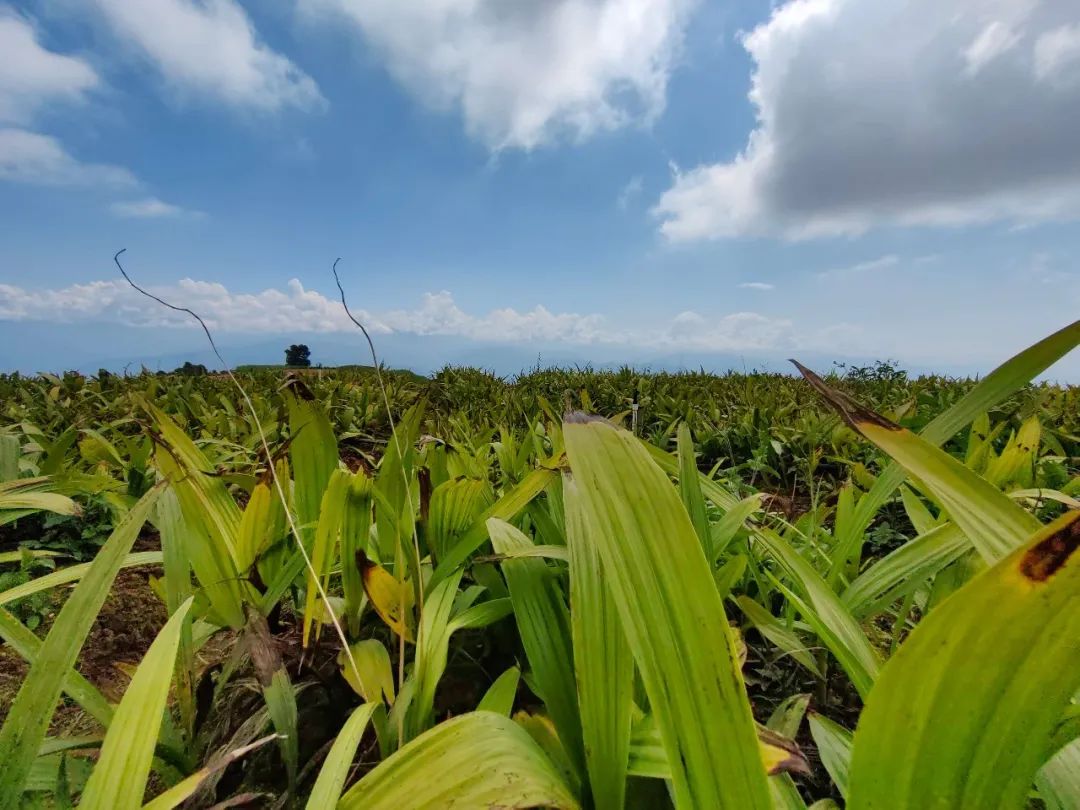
[756,285]
[628,193]
[861,268]
[524,74]
[927,112]
[740,331]
[1058,51]
[150,208]
[994,40]
[440,315]
[293,309]
[296,309]
[29,157]
[32,76]
[210,47]
[33,79]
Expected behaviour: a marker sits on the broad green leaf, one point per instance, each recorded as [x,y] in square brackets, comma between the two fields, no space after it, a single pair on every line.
[313,452]
[560,553]
[730,573]
[373,678]
[335,769]
[774,630]
[174,542]
[73,573]
[280,546]
[845,552]
[917,512]
[822,608]
[1057,780]
[907,567]
[499,697]
[13,499]
[196,478]
[963,714]
[211,516]
[119,778]
[834,744]
[671,614]
[35,554]
[648,758]
[996,386]
[480,759]
[255,524]
[482,615]
[505,508]
[355,528]
[10,450]
[455,506]
[33,707]
[725,529]
[787,717]
[431,653]
[992,522]
[603,662]
[690,489]
[324,548]
[543,623]
[396,490]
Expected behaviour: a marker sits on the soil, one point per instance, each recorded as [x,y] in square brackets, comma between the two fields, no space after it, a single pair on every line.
[791,505]
[125,627]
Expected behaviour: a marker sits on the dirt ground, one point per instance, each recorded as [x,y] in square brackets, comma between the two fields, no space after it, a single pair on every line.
[125,627]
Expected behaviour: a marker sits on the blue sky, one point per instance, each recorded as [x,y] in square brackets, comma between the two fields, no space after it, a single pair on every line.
[651,181]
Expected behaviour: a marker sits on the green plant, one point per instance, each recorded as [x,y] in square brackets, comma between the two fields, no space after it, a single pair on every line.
[522,610]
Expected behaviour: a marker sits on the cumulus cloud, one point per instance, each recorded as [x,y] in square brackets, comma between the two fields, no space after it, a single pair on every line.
[861,268]
[756,285]
[628,193]
[272,310]
[926,112]
[29,157]
[525,74]
[211,48]
[151,208]
[735,332]
[296,309]
[32,76]
[1057,54]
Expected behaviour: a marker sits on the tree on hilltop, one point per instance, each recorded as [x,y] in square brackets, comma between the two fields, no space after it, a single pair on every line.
[298,355]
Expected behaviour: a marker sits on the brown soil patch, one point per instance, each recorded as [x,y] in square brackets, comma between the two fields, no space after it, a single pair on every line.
[125,627]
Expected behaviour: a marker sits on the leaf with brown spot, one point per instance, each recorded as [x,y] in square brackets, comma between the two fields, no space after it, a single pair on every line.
[1044,559]
[993,523]
[965,713]
[852,412]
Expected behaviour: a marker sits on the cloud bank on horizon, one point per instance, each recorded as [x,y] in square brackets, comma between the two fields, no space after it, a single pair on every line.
[296,309]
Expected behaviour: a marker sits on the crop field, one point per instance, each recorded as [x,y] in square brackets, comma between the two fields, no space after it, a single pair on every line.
[571,589]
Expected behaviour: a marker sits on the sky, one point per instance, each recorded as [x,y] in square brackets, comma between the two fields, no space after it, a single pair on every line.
[674,183]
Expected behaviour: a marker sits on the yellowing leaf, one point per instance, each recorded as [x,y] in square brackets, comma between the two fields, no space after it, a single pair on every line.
[392,598]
